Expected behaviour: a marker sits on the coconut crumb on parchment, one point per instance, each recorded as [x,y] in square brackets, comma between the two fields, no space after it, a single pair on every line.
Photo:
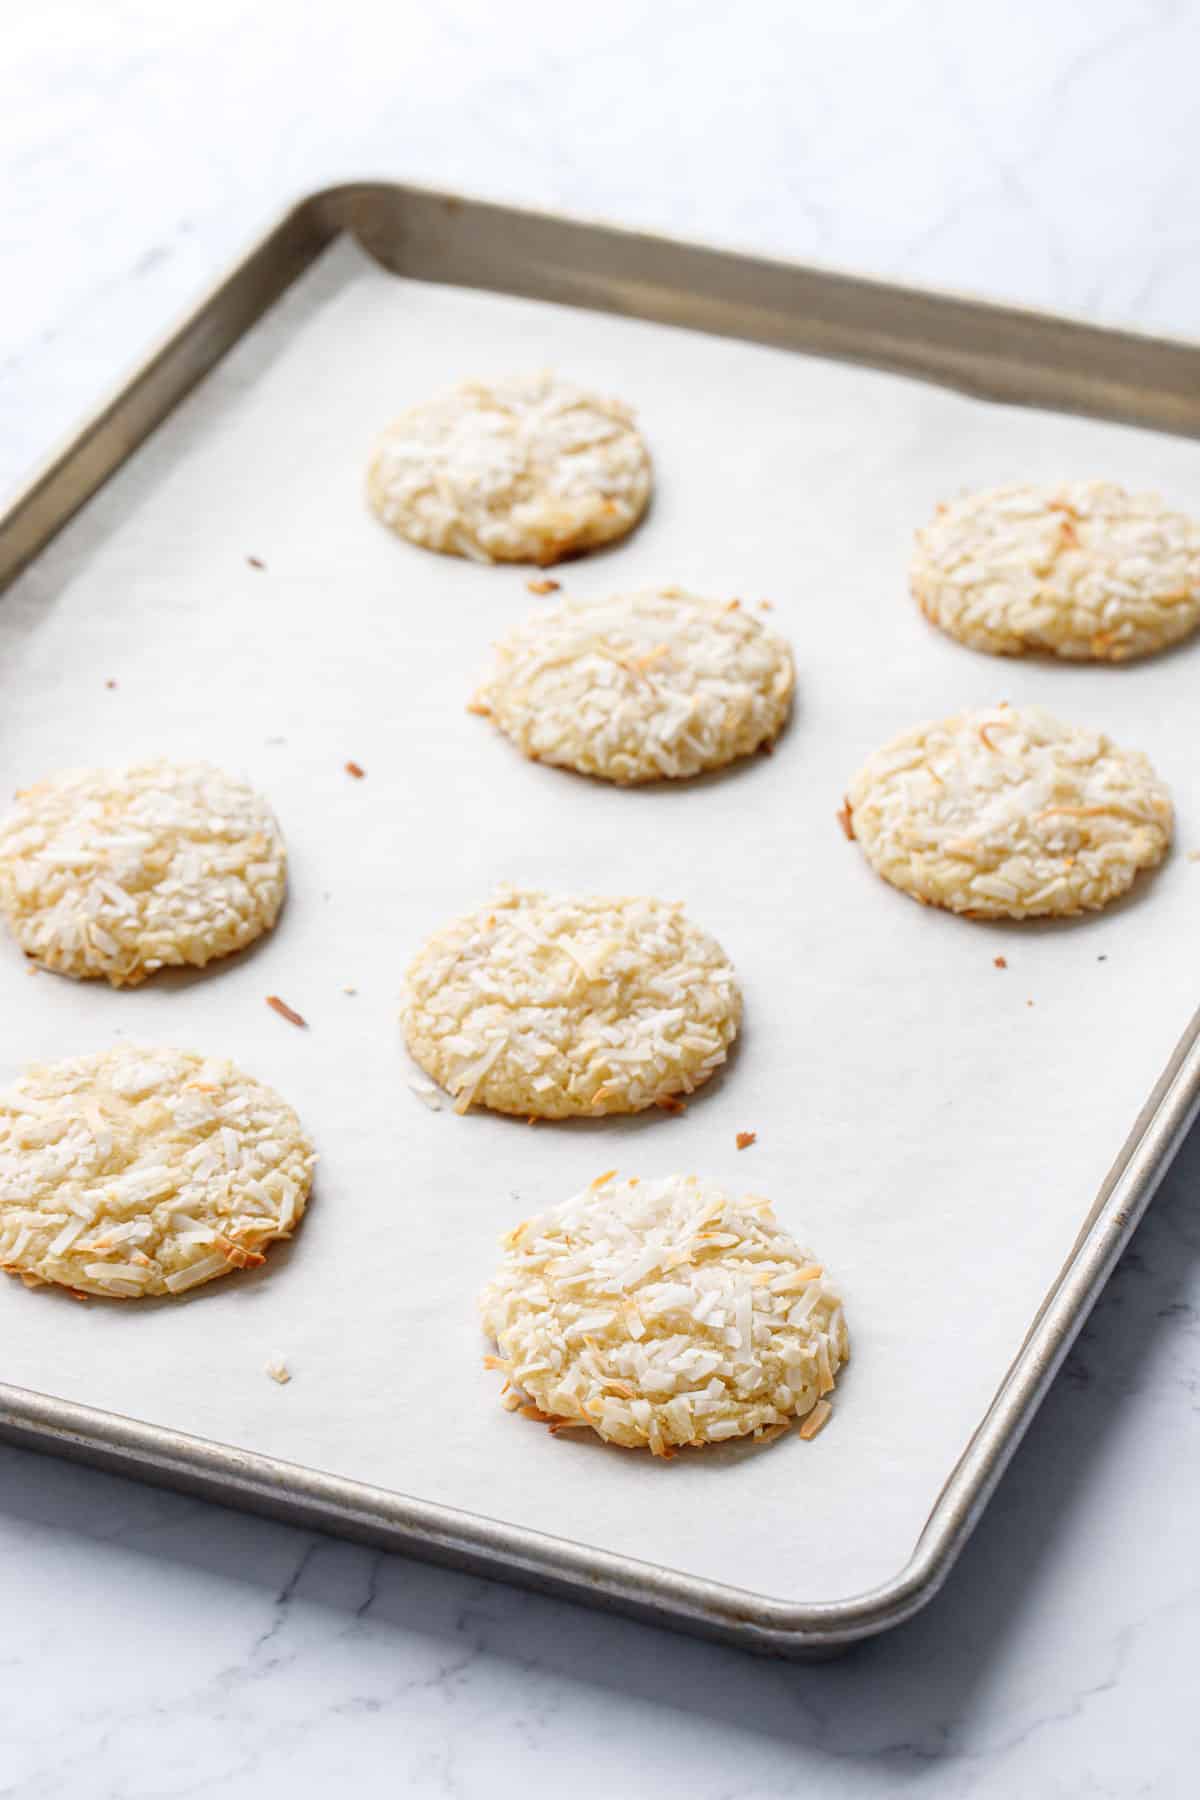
[285,1011]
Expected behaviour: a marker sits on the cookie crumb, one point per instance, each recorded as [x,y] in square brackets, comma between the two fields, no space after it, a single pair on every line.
[349,990]
[355,769]
[110,683]
[1029,1003]
[766,606]
[285,1011]
[278,1370]
[1193,855]
[1103,958]
[544,586]
[1000,962]
[256,562]
[744,1139]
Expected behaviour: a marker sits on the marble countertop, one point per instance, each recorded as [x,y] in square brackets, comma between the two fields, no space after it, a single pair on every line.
[158,1646]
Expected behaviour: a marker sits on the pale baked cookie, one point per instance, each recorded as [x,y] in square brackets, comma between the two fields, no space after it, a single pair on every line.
[640,686]
[552,1007]
[1081,570]
[145,1171]
[1005,813]
[662,1313]
[118,872]
[527,469]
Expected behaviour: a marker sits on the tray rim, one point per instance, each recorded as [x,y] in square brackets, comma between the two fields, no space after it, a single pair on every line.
[315,1499]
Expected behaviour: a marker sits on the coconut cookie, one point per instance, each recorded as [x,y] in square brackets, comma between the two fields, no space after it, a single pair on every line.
[640,686]
[1006,813]
[554,1008]
[136,1172]
[662,1313]
[1080,570]
[527,469]
[119,872]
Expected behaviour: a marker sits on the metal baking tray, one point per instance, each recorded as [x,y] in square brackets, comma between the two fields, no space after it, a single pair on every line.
[914,1112]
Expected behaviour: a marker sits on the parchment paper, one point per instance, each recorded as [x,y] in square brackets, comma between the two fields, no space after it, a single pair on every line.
[933,1136]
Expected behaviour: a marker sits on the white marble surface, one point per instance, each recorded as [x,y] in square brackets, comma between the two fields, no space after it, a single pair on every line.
[152,1646]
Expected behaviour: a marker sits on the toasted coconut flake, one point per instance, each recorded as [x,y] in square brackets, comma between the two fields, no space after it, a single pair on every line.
[355,769]
[846,820]
[285,1011]
[821,1413]
[278,1370]
[744,1139]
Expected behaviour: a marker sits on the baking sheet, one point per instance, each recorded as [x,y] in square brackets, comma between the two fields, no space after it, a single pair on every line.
[935,1138]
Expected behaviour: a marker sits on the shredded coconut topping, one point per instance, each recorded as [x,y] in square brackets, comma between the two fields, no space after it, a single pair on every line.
[118,872]
[526,469]
[640,686]
[1081,570]
[145,1171]
[1007,813]
[555,1007]
[662,1313]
